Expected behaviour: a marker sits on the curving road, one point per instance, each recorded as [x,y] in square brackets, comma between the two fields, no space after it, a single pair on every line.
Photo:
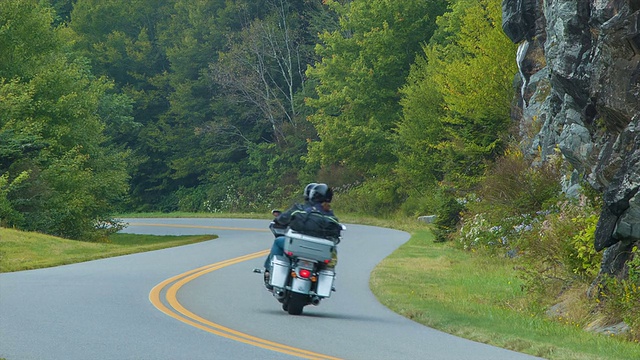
[202,301]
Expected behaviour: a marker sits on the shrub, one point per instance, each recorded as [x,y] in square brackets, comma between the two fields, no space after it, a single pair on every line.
[192,199]
[448,214]
[559,249]
[511,198]
[419,203]
[376,197]
[8,215]
[582,256]
[240,200]
[520,212]
[512,187]
[621,297]
[477,233]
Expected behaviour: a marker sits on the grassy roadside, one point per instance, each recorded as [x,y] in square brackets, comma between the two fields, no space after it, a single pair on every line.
[26,250]
[480,299]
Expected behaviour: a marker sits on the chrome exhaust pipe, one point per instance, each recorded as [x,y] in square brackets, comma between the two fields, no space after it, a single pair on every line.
[279,294]
[315,300]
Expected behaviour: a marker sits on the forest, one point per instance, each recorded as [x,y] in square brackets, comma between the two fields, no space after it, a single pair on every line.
[211,106]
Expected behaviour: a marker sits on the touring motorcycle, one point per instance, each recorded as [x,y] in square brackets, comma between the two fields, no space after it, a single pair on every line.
[301,277]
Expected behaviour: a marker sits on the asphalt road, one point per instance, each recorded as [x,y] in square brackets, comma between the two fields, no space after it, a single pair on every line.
[203,301]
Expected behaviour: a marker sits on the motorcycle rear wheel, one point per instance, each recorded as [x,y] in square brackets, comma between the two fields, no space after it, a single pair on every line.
[296,303]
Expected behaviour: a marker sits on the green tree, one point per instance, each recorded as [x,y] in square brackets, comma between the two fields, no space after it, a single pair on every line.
[262,73]
[59,172]
[120,38]
[455,109]
[62,10]
[456,103]
[22,25]
[189,35]
[363,65]
[9,215]
[192,136]
[420,130]
[473,68]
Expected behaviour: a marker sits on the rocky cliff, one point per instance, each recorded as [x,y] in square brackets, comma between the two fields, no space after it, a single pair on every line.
[579,84]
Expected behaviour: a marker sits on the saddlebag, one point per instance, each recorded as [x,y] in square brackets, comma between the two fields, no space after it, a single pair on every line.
[325,283]
[308,247]
[279,271]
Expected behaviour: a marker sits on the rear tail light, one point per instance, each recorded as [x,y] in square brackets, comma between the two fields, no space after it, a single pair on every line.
[304,273]
[326,261]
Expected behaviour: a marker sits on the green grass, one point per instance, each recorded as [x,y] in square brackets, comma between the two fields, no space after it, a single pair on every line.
[27,250]
[480,299]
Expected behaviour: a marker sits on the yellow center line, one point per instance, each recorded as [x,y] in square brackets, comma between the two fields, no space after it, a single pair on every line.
[197,226]
[179,312]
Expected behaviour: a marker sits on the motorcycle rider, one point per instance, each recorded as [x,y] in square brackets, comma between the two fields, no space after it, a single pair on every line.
[317,198]
[320,199]
[321,196]
[282,221]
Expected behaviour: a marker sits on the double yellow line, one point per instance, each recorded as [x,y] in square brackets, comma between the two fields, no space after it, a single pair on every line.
[171,286]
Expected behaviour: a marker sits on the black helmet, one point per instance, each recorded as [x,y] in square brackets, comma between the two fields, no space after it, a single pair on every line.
[307,191]
[321,193]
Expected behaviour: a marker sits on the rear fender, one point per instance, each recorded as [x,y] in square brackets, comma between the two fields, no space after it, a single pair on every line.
[302,286]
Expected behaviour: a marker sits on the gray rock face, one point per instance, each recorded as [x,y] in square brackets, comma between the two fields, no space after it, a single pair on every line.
[579,64]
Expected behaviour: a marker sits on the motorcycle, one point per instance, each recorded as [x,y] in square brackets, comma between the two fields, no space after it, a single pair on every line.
[301,276]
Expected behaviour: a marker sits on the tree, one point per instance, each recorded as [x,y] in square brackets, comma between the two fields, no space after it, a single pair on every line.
[473,71]
[420,131]
[458,97]
[264,69]
[363,66]
[62,10]
[455,110]
[192,135]
[120,39]
[22,25]
[58,170]
[260,121]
